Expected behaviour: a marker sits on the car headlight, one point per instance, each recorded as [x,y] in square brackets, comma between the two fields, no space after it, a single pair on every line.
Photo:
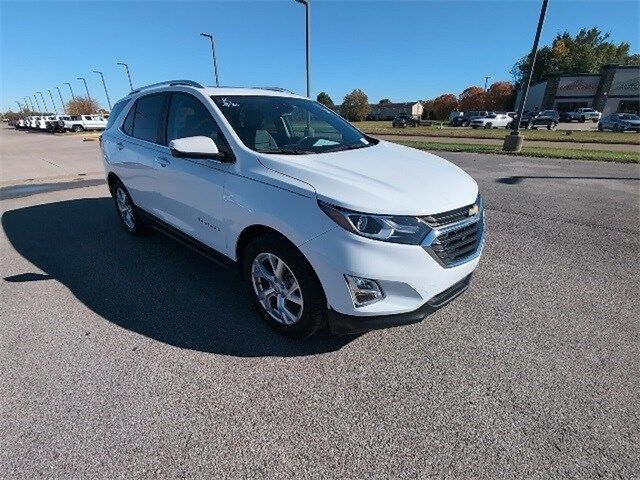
[388,228]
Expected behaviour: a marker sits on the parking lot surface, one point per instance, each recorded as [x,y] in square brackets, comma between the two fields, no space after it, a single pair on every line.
[136,357]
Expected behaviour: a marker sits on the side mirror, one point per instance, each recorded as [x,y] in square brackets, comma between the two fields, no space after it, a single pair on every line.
[196,147]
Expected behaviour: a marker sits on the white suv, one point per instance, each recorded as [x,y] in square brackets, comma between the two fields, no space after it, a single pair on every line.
[326,224]
[80,123]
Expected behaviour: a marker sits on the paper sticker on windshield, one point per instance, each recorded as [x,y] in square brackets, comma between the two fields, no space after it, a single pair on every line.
[229,103]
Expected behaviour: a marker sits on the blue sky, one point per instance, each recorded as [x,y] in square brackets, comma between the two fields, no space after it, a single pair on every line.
[395,49]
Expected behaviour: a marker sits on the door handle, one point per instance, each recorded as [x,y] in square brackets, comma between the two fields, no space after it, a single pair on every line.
[162,161]
[119,145]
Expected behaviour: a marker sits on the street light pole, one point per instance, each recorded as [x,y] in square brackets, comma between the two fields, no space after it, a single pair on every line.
[513,142]
[73,97]
[19,106]
[213,52]
[55,109]
[44,102]
[486,81]
[105,87]
[37,103]
[26,100]
[307,6]
[85,86]
[128,73]
[64,109]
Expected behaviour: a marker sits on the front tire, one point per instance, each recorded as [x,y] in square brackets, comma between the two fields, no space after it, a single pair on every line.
[78,128]
[582,120]
[488,126]
[284,287]
[551,126]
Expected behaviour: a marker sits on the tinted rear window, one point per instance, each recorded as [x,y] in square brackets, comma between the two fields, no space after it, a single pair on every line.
[148,118]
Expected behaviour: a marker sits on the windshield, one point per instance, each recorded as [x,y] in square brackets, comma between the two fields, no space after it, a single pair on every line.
[288,125]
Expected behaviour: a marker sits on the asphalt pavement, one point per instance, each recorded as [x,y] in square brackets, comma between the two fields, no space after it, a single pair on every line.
[136,357]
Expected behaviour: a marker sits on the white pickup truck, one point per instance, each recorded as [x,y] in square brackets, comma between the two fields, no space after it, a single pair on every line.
[80,123]
[584,114]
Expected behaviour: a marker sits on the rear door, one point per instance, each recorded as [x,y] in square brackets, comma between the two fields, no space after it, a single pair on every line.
[135,150]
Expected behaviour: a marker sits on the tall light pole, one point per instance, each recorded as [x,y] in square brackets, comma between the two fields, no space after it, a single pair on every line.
[73,97]
[19,106]
[307,6]
[37,103]
[486,82]
[26,99]
[44,102]
[55,109]
[213,51]
[85,86]
[128,73]
[64,109]
[513,141]
[105,87]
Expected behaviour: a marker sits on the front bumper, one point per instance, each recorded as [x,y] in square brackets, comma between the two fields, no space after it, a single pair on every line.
[342,324]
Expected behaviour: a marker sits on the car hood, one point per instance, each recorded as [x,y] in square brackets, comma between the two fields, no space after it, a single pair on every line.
[385,178]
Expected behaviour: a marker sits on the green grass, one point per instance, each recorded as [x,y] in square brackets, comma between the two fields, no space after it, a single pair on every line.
[545,152]
[499,133]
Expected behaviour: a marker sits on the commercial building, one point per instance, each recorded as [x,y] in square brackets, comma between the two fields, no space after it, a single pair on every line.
[615,89]
[388,111]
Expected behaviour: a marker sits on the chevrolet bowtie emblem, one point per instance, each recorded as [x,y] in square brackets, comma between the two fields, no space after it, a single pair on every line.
[473,211]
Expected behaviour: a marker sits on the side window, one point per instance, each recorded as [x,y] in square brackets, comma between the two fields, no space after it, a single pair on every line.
[87,117]
[147,118]
[127,126]
[188,117]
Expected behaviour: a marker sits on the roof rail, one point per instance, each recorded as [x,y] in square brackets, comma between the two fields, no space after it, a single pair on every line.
[275,89]
[169,83]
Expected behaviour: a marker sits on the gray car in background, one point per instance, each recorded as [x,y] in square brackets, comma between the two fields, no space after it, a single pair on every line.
[620,122]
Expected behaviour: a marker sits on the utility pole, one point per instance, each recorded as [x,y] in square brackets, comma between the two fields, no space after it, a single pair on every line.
[513,141]
[128,73]
[55,109]
[64,109]
[44,103]
[73,97]
[105,87]
[307,6]
[213,52]
[85,86]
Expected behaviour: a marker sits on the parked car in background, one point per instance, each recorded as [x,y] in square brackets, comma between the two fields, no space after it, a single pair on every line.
[546,118]
[80,123]
[565,116]
[620,122]
[584,114]
[235,173]
[465,120]
[494,120]
[405,120]
[453,115]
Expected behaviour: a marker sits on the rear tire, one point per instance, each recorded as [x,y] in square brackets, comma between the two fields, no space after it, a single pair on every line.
[297,314]
[582,120]
[127,211]
[551,126]
[488,126]
[78,128]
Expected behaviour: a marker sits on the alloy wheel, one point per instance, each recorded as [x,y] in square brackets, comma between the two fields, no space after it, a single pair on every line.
[125,208]
[277,288]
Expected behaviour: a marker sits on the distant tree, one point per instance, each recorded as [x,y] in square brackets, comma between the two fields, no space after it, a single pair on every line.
[82,106]
[472,99]
[427,109]
[500,96]
[355,106]
[444,105]
[383,101]
[325,99]
[587,52]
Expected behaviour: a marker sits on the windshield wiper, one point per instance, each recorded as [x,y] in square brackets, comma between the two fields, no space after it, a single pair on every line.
[289,151]
[353,146]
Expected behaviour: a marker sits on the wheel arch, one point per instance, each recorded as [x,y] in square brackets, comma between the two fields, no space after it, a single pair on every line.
[112,178]
[252,231]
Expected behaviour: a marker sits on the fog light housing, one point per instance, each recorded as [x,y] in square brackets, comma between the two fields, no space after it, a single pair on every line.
[364,291]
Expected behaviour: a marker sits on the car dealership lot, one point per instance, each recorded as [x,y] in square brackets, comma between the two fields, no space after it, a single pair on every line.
[136,357]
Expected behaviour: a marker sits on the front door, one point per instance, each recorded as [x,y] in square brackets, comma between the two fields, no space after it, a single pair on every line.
[192,188]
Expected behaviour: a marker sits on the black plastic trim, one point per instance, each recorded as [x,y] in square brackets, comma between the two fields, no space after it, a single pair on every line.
[187,240]
[342,324]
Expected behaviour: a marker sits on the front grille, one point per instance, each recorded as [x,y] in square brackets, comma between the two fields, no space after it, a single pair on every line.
[446,218]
